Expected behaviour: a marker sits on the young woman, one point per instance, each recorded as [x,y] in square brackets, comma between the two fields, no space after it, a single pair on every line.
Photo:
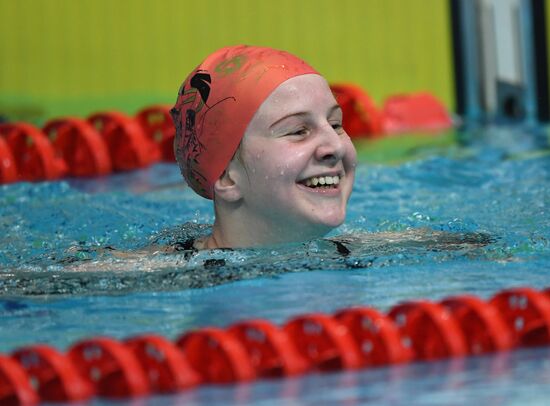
[259,132]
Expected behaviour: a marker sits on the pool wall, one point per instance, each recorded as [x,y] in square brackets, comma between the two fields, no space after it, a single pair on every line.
[73,58]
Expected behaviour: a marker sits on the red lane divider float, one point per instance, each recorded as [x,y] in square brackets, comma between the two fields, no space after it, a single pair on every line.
[159,128]
[55,378]
[376,336]
[271,351]
[78,143]
[8,170]
[166,365]
[527,313]
[361,116]
[324,342]
[429,329]
[34,155]
[414,112]
[110,367]
[349,339]
[105,142]
[128,145]
[113,141]
[482,325]
[217,356]
[15,384]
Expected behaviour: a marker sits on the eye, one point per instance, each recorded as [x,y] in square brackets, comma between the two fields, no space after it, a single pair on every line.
[337,126]
[300,132]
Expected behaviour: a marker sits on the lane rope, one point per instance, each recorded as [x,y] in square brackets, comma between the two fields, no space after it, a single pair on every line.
[350,339]
[112,141]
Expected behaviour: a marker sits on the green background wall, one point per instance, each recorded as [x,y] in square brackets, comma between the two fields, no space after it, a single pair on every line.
[61,57]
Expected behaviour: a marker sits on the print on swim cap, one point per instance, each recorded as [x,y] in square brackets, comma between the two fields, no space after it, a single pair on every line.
[228,66]
[201,82]
[188,134]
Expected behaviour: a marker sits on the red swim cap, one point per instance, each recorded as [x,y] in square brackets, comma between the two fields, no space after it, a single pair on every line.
[217,101]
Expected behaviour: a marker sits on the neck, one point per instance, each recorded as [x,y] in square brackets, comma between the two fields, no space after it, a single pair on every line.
[238,230]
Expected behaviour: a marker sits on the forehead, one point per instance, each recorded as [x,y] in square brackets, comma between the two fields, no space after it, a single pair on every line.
[304,93]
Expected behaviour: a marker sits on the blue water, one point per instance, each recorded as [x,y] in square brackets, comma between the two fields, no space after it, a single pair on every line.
[493,187]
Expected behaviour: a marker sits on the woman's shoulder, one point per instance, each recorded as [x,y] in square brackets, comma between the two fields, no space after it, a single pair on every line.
[410,238]
[185,237]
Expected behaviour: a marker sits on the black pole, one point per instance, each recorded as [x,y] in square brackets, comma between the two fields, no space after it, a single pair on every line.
[458,57]
[538,8]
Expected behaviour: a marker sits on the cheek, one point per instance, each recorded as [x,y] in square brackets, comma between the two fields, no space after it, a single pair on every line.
[276,162]
[261,167]
[290,162]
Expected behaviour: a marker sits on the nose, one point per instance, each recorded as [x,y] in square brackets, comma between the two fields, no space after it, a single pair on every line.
[331,145]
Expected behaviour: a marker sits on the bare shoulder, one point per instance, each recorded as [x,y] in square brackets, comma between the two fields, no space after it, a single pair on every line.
[420,237]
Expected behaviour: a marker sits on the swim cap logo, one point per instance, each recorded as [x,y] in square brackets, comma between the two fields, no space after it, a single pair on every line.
[229,66]
[201,82]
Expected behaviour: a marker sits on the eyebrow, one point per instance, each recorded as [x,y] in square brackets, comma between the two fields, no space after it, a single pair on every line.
[304,113]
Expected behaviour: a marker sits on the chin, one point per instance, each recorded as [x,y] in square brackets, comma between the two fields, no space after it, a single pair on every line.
[326,225]
[333,224]
[334,219]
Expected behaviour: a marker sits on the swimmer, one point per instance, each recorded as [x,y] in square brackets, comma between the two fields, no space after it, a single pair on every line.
[259,132]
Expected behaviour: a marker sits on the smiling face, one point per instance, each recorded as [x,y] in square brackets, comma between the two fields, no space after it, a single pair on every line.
[296,166]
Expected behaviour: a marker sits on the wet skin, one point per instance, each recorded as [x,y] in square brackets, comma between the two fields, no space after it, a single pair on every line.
[294,143]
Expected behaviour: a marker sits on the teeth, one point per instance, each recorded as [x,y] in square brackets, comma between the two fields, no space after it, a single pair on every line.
[324,182]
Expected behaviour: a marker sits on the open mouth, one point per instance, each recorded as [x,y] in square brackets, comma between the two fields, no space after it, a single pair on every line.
[322,182]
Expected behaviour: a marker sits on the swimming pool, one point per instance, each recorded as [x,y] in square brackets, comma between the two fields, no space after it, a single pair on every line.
[57,288]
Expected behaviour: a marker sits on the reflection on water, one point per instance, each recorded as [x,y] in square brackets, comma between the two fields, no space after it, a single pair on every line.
[464,380]
[521,377]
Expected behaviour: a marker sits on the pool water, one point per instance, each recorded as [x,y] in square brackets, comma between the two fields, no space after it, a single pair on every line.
[469,216]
